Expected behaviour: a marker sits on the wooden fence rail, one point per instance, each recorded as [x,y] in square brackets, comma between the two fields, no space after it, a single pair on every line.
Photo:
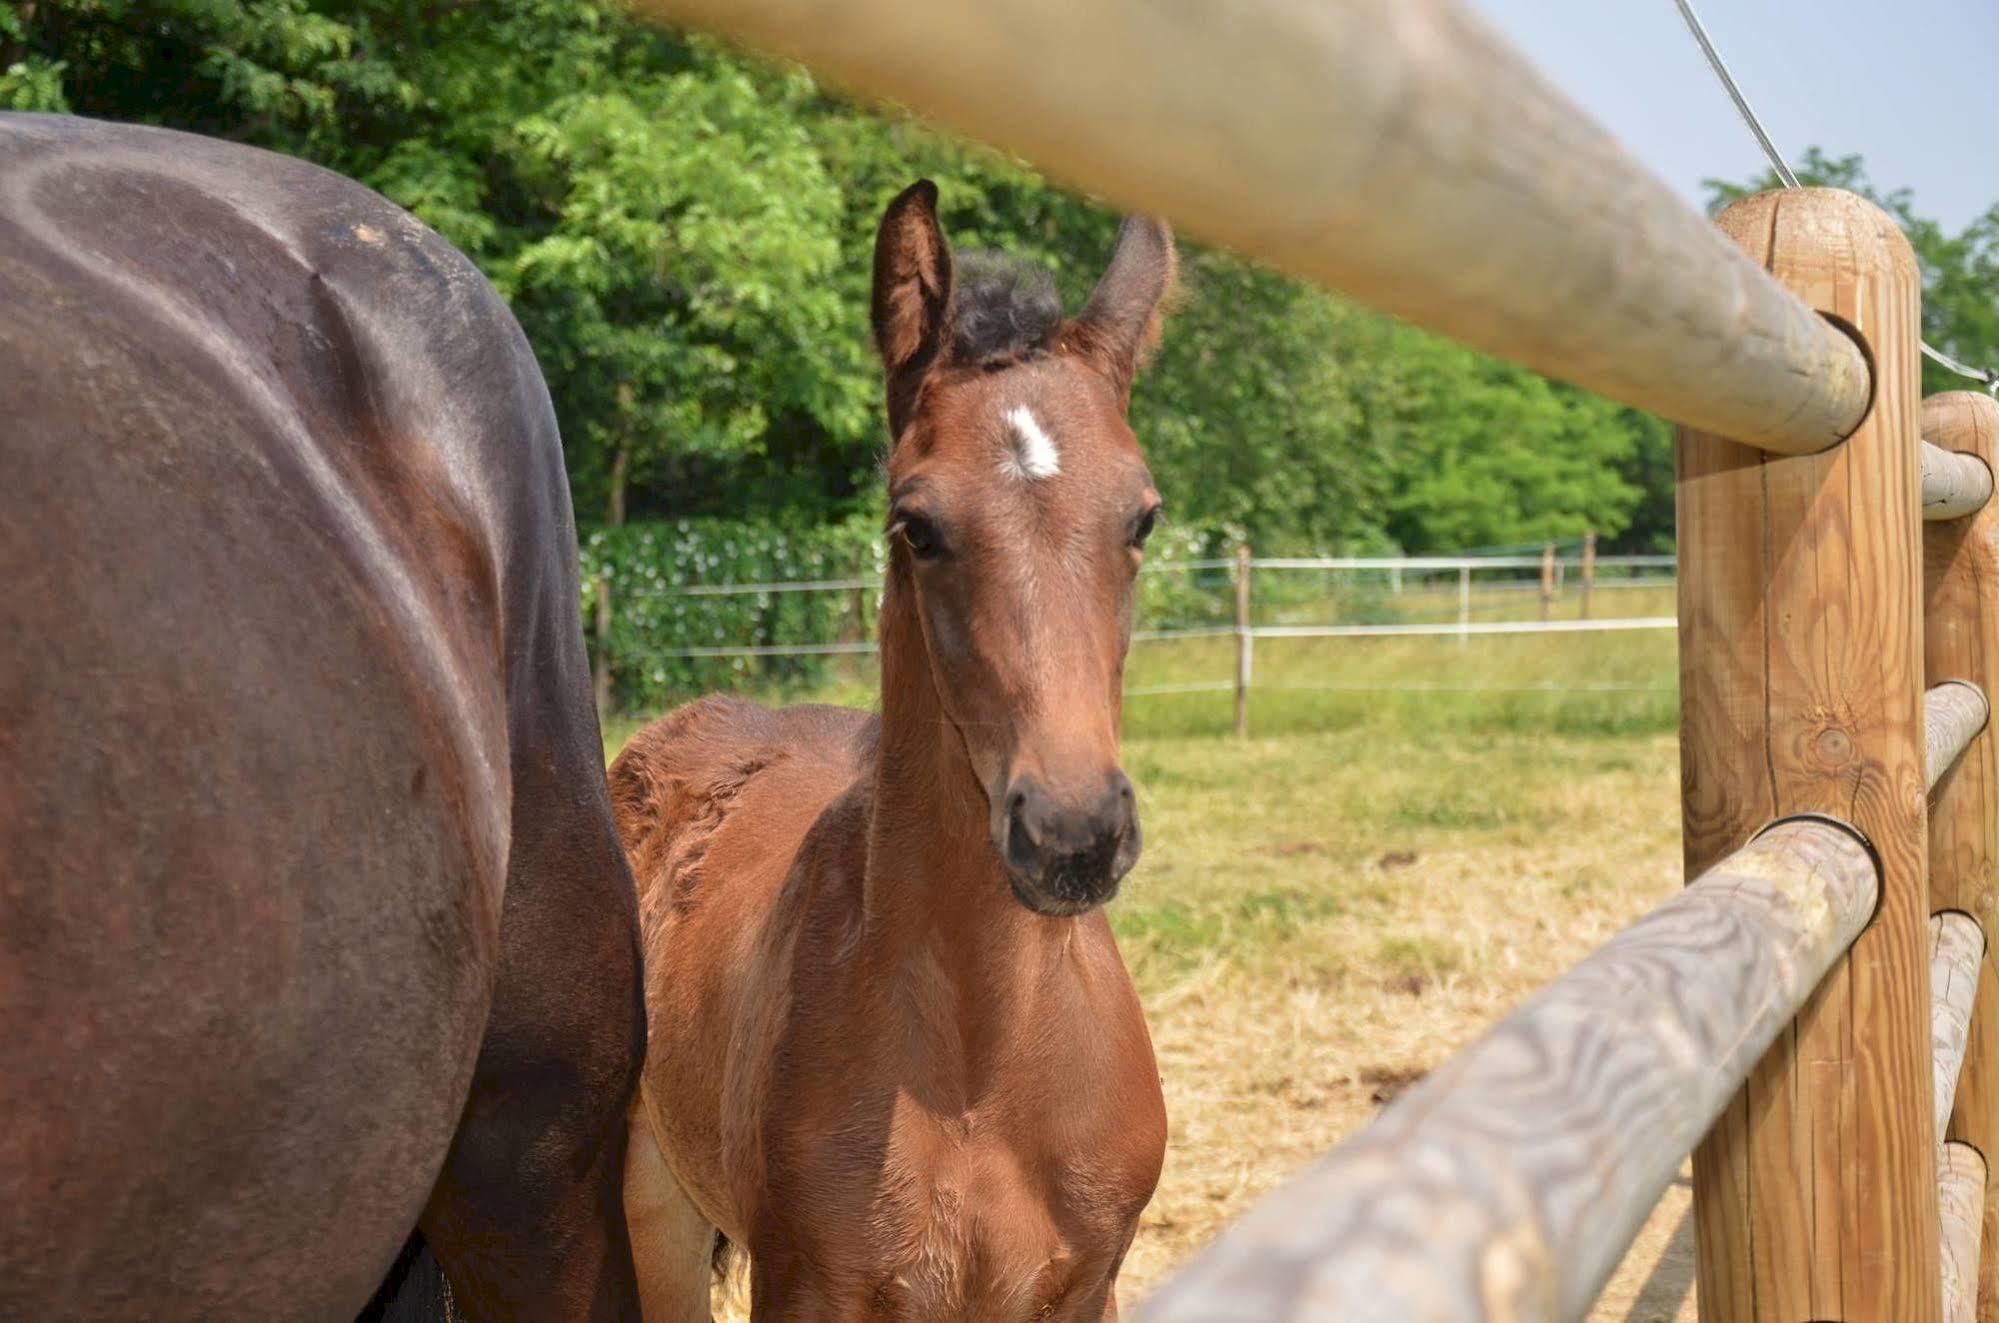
[1954,484]
[1961,1195]
[1839,570]
[1953,712]
[1956,949]
[1500,214]
[1507,1184]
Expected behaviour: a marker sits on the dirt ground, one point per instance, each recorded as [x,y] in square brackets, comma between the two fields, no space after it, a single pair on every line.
[1490,866]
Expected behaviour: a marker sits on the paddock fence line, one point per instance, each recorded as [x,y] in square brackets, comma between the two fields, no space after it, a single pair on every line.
[1368,596]
[1796,1015]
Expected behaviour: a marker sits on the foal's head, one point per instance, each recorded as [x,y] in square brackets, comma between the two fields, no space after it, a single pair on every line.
[1019,505]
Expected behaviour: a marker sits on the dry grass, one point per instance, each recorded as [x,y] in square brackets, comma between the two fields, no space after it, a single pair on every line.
[1322,917]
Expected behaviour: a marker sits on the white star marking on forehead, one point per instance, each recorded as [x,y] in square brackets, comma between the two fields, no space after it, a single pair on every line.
[1030,451]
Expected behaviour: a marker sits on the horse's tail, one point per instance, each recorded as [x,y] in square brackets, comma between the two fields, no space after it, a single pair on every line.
[415,1291]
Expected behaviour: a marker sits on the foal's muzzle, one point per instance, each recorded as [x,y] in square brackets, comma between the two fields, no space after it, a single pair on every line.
[1067,855]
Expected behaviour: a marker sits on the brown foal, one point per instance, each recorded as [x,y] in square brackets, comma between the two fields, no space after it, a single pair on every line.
[894,1053]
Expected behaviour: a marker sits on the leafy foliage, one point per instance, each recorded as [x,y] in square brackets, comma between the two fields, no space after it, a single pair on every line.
[653,623]
[685,236]
[1960,271]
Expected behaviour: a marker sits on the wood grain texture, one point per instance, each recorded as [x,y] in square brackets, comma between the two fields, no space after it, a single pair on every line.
[1801,691]
[1954,712]
[1954,484]
[1971,1123]
[1395,149]
[1956,949]
[1508,1184]
[1961,1181]
[1961,640]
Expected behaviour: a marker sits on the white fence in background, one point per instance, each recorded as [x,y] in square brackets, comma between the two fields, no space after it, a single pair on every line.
[1441,586]
[1394,568]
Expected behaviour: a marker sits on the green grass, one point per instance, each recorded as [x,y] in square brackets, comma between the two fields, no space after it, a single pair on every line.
[1301,850]
[1613,683]
[1366,757]
[1329,908]
[1598,684]
[1320,917]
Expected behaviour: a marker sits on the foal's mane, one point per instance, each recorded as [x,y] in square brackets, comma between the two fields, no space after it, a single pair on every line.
[1004,309]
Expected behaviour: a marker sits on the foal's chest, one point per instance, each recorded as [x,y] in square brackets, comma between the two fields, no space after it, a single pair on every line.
[963,1227]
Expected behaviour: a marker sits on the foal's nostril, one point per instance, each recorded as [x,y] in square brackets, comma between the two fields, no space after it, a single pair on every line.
[1121,792]
[1021,845]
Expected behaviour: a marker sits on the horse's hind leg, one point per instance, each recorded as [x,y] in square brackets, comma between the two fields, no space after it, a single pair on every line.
[672,1243]
[527,1216]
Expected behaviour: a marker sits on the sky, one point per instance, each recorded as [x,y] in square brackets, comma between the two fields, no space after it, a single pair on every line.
[1911,85]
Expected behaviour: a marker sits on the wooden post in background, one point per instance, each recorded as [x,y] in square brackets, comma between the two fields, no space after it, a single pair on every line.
[1589,569]
[857,605]
[601,671]
[1547,580]
[1464,604]
[1961,642]
[1815,1194]
[1245,642]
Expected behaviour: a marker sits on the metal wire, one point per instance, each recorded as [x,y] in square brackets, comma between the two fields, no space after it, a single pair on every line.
[1984,377]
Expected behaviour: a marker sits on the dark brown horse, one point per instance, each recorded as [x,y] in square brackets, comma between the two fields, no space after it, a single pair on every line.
[304,846]
[894,1052]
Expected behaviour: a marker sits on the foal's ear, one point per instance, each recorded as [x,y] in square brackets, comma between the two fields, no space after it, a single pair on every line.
[1119,326]
[911,296]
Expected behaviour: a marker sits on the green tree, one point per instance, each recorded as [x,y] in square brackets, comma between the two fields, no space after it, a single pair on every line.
[685,235]
[681,285]
[1486,454]
[1960,271]
[1253,413]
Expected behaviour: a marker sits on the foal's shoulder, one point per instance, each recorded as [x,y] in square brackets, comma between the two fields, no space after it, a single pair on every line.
[842,735]
[707,752]
[722,729]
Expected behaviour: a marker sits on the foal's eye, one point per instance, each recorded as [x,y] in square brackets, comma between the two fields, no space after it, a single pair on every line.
[1143,528]
[920,535]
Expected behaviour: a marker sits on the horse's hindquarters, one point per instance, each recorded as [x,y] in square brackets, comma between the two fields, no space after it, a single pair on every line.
[248,904]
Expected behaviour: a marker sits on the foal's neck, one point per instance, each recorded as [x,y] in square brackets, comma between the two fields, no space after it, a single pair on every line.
[934,884]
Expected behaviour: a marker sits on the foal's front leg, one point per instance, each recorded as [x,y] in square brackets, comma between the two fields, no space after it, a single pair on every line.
[673,1245]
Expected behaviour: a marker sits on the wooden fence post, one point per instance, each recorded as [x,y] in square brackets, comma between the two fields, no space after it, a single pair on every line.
[1547,580]
[1961,642]
[1815,1194]
[1245,642]
[601,672]
[856,629]
[1589,570]
[1464,605]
